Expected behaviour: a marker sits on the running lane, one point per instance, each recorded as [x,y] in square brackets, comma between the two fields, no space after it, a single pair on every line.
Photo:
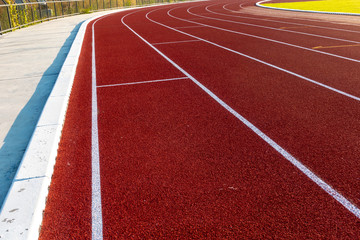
[318,125]
[328,69]
[174,163]
[335,39]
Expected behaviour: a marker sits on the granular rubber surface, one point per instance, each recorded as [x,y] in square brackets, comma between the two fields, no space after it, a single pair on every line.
[176,164]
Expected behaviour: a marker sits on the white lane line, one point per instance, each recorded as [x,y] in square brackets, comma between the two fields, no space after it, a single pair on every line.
[185,41]
[271,28]
[270,20]
[326,187]
[257,60]
[96,212]
[262,38]
[135,83]
[283,30]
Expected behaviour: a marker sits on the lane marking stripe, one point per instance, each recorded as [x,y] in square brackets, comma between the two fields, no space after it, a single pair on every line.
[185,41]
[135,83]
[258,60]
[266,39]
[276,29]
[340,46]
[96,211]
[332,192]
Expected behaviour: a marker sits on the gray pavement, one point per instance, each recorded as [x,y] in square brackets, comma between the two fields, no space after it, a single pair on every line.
[30,61]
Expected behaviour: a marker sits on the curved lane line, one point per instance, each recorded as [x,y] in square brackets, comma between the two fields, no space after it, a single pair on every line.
[332,192]
[258,60]
[279,29]
[262,38]
[96,212]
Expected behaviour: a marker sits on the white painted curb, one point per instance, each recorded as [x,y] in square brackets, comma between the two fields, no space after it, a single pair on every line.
[22,212]
[298,10]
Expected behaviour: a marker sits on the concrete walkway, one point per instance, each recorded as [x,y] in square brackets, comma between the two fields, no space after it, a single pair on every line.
[30,61]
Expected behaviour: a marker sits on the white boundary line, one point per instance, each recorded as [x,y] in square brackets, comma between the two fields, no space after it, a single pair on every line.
[272,28]
[255,59]
[143,82]
[22,211]
[326,187]
[258,37]
[298,10]
[96,208]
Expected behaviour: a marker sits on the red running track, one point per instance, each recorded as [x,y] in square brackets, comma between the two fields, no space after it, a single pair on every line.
[204,132]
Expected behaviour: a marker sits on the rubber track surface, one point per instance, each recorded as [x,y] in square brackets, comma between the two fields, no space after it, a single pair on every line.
[175,164]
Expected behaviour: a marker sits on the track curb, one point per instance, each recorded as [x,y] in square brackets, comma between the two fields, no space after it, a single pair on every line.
[258,4]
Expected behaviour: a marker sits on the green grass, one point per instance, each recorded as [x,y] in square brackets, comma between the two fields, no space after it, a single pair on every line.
[340,6]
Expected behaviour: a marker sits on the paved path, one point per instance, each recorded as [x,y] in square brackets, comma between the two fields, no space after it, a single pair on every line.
[30,60]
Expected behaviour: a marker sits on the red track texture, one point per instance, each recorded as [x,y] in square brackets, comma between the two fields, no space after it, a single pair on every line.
[175,164]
